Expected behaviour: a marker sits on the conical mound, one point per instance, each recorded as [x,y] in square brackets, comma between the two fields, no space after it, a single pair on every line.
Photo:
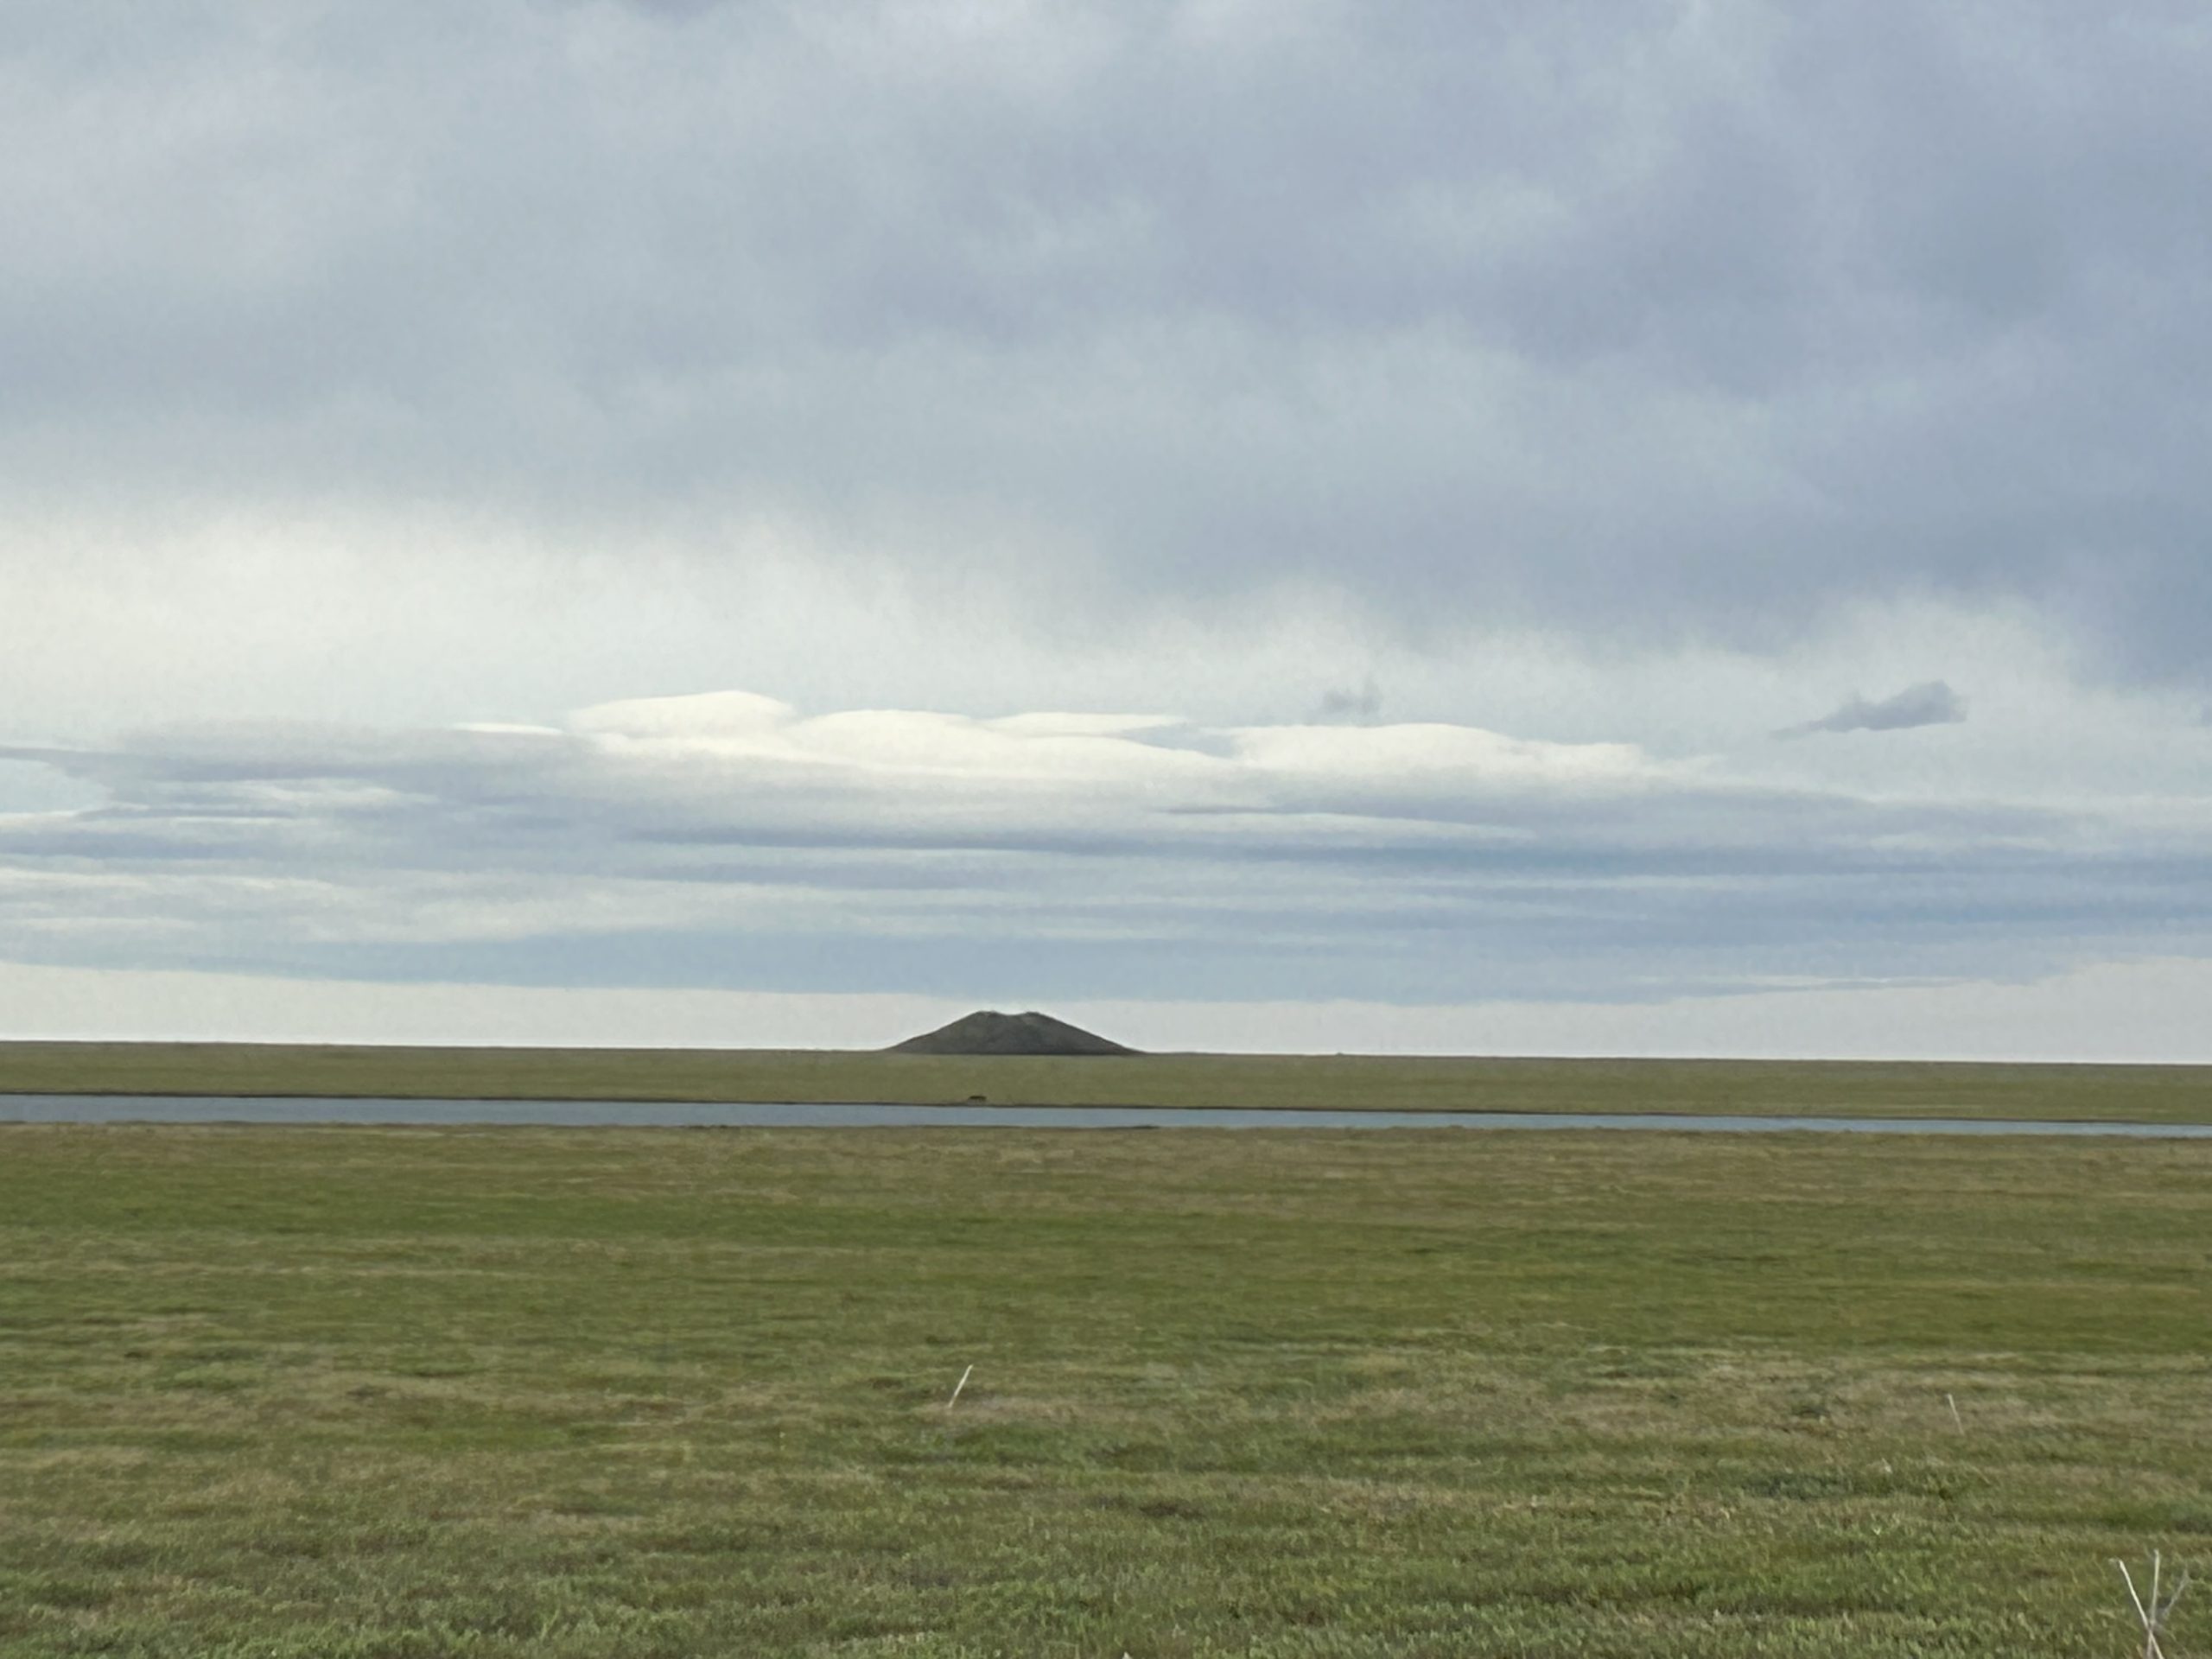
[989,1032]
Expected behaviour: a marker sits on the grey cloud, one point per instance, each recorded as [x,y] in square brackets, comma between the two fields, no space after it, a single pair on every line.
[1699,319]
[1932,702]
[1357,704]
[731,840]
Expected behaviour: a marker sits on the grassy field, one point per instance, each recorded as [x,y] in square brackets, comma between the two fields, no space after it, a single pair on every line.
[2150,1094]
[277,1393]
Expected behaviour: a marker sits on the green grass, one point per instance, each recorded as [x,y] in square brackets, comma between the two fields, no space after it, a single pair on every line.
[2148,1094]
[355,1392]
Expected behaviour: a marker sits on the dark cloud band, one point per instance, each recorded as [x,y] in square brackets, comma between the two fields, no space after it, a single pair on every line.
[1636,319]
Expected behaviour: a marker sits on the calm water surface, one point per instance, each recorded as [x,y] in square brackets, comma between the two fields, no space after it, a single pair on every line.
[225,1108]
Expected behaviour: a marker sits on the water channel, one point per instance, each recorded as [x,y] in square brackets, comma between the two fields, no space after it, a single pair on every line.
[231,1108]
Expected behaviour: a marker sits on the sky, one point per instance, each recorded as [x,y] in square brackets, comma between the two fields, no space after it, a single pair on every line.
[1586,527]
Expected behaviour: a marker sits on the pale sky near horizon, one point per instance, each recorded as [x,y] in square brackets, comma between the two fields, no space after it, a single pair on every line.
[1571,528]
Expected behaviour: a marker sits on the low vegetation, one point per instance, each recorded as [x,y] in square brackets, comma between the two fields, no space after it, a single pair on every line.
[563,1393]
[2112,1093]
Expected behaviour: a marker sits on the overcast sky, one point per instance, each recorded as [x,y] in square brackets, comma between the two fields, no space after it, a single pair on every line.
[1586,526]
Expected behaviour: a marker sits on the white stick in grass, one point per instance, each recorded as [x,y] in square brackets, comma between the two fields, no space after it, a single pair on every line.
[2153,1613]
[957,1387]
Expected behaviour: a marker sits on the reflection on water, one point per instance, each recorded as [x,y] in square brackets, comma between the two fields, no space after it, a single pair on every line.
[199,1108]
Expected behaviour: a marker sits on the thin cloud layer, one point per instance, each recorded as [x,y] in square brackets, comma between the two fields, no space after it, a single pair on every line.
[731,841]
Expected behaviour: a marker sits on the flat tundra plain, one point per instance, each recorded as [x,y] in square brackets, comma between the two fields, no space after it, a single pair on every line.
[334,1392]
[2148,1094]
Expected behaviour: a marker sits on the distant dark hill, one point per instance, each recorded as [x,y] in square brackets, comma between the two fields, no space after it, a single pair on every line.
[1008,1033]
